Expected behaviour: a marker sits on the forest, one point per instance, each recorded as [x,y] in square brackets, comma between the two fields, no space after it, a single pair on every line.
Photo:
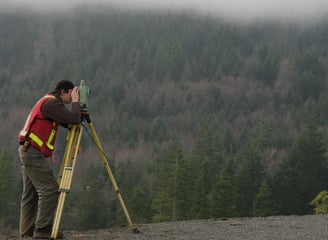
[200,117]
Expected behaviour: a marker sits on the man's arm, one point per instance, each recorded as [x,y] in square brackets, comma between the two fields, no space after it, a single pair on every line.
[56,110]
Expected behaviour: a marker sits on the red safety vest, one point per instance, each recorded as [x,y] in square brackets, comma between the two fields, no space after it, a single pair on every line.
[40,131]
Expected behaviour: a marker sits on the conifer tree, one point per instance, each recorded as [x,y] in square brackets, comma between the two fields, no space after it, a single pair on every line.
[202,192]
[141,204]
[166,196]
[9,197]
[248,178]
[207,146]
[184,190]
[224,196]
[263,204]
[93,209]
[250,172]
[162,205]
[301,176]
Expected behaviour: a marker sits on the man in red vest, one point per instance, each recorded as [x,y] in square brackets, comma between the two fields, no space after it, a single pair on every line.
[37,140]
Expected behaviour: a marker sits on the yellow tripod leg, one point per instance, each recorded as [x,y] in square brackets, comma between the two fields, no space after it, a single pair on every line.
[66,172]
[111,177]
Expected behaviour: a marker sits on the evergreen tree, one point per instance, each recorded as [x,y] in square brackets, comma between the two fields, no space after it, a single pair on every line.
[9,197]
[309,76]
[162,205]
[302,175]
[185,191]
[203,191]
[93,209]
[263,204]
[207,146]
[250,171]
[166,196]
[141,204]
[224,196]
[127,179]
[248,178]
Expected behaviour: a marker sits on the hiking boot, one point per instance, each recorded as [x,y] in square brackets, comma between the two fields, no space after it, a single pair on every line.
[28,233]
[46,235]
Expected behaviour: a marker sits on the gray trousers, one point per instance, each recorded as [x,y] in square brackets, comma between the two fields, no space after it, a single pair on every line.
[40,192]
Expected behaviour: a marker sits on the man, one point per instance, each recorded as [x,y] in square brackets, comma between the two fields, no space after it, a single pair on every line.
[37,140]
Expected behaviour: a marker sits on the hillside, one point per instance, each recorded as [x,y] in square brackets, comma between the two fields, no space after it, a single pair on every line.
[201,117]
[155,77]
[270,228]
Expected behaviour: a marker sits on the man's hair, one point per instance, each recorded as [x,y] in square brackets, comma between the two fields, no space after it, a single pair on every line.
[62,85]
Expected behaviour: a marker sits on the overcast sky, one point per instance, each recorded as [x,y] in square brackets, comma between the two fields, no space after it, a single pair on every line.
[238,9]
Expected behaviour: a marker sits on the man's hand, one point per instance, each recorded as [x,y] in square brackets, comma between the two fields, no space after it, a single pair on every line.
[75,94]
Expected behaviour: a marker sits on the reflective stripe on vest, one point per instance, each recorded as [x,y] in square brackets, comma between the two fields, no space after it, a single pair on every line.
[36,139]
[51,137]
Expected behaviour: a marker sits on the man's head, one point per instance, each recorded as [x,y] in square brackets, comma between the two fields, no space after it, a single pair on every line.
[63,90]
[64,85]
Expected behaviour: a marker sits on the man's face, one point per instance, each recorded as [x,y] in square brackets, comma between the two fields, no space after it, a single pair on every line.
[66,96]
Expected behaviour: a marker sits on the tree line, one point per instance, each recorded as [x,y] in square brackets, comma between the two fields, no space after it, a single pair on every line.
[209,182]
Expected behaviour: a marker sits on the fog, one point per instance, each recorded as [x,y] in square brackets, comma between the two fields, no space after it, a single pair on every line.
[234,9]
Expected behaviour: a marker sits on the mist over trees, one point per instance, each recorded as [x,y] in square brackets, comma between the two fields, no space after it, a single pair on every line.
[203,118]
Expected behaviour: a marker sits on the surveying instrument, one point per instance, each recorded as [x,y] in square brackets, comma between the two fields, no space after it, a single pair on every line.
[70,156]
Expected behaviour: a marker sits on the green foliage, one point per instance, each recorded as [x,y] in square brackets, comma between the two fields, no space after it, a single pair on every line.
[141,210]
[117,93]
[162,205]
[302,175]
[320,203]
[263,204]
[249,176]
[202,191]
[207,147]
[10,192]
[224,202]
[92,200]
[166,196]
[185,191]
[308,81]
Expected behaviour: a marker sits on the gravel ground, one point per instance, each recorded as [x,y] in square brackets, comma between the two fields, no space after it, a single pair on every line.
[310,227]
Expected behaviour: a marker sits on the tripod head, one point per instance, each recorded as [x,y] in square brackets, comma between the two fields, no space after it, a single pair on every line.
[84,91]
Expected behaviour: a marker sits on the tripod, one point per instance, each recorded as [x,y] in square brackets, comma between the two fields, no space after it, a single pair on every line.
[67,168]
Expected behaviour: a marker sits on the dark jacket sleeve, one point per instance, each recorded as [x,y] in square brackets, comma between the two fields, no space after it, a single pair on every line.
[56,110]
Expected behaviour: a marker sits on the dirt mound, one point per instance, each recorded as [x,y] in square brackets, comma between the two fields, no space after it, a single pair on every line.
[309,227]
